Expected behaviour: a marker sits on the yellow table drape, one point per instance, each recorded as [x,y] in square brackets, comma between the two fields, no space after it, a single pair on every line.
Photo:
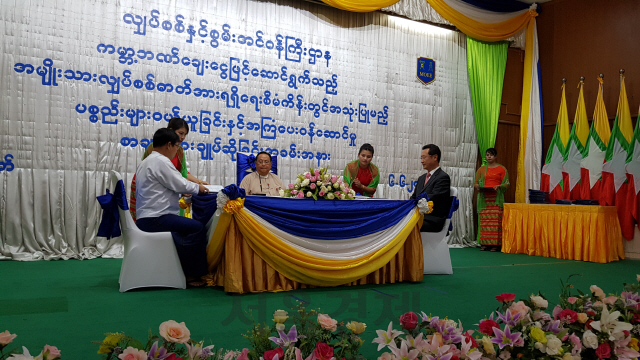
[360,5]
[244,256]
[574,232]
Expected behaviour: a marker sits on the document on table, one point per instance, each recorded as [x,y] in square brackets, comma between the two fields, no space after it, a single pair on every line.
[214,188]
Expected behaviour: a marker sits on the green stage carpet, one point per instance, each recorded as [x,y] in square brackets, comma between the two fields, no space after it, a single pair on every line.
[71,303]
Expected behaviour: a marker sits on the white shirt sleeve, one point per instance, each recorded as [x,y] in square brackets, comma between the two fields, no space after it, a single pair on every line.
[170,178]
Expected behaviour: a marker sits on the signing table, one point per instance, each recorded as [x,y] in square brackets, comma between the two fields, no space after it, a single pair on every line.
[278,244]
[575,232]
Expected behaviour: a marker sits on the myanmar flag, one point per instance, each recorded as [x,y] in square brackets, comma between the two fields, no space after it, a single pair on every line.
[591,165]
[614,174]
[551,178]
[633,173]
[576,149]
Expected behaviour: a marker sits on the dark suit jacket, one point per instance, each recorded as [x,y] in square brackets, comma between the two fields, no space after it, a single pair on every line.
[438,189]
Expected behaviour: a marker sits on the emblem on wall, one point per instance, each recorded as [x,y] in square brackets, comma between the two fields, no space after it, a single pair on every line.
[426,71]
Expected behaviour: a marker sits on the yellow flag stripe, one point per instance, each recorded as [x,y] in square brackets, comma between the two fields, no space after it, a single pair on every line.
[623,114]
[580,122]
[563,120]
[600,118]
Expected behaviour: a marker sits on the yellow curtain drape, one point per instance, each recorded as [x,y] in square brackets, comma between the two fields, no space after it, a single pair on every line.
[483,31]
[360,5]
[492,32]
[295,264]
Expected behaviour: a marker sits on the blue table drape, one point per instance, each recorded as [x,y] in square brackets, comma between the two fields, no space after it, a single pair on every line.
[329,219]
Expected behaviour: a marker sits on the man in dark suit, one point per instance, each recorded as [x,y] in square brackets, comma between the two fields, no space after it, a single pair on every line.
[436,183]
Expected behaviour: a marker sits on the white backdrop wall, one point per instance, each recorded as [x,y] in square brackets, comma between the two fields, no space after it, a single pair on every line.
[84,85]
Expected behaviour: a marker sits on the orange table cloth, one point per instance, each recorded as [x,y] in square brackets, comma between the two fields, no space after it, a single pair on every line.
[574,232]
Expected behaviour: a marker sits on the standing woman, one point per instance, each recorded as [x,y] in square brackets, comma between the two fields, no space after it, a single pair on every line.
[361,174]
[182,129]
[494,180]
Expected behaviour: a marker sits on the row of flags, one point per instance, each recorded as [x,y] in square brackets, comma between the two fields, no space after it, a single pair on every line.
[600,162]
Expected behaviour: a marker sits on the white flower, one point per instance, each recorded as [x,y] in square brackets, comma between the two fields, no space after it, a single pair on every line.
[281,192]
[296,186]
[539,302]
[341,186]
[298,181]
[342,196]
[195,351]
[330,196]
[24,356]
[336,185]
[590,340]
[386,338]
[309,194]
[323,188]
[305,183]
[505,355]
[609,324]
[553,345]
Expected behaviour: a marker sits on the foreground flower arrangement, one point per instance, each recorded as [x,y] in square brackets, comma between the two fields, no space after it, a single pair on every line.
[581,326]
[174,343]
[6,338]
[313,336]
[318,183]
[594,326]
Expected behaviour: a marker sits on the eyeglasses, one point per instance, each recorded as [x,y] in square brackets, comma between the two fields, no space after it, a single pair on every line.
[263,162]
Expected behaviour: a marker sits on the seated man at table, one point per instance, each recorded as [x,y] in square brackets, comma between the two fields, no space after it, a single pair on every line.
[262,181]
[159,187]
[436,183]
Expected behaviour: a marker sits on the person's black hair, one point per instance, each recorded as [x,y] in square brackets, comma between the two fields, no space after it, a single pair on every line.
[492,151]
[177,123]
[366,147]
[433,150]
[263,152]
[165,136]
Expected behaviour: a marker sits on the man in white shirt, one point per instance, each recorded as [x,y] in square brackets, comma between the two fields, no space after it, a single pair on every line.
[158,190]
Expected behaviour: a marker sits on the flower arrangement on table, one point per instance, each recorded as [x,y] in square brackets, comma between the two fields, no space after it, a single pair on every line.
[593,326]
[319,183]
[313,336]
[174,343]
[48,353]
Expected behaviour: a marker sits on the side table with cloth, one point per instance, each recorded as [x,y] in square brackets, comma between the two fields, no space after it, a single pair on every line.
[574,232]
[279,244]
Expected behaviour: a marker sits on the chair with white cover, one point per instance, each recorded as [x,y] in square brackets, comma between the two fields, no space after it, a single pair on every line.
[435,249]
[150,259]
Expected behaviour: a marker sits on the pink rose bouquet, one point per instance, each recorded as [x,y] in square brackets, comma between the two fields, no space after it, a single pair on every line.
[319,184]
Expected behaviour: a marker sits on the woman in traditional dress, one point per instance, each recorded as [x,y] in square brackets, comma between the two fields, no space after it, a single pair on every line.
[491,182]
[361,174]
[182,129]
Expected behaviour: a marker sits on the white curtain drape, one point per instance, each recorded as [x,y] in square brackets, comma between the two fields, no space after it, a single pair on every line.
[59,112]
[420,10]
